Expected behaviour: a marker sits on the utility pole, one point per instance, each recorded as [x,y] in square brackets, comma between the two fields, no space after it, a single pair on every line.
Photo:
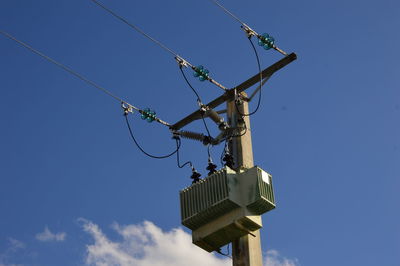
[246,250]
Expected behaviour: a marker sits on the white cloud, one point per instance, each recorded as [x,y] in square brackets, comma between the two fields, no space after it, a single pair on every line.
[273,258]
[147,245]
[14,246]
[48,236]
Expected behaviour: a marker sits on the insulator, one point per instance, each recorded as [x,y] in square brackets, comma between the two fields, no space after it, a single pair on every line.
[211,168]
[215,116]
[201,73]
[195,176]
[191,135]
[148,115]
[266,41]
[228,159]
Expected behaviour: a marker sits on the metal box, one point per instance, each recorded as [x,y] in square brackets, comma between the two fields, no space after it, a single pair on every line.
[226,205]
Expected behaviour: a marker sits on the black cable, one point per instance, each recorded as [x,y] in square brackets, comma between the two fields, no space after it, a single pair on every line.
[259,93]
[205,125]
[198,99]
[178,144]
[190,85]
[141,149]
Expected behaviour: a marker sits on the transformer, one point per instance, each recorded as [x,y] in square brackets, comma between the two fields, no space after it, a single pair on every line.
[226,205]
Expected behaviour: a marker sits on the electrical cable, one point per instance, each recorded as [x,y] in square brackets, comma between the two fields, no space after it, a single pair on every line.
[198,100]
[228,12]
[142,150]
[259,93]
[127,106]
[247,29]
[136,28]
[190,85]
[180,59]
[205,125]
[178,144]
[67,69]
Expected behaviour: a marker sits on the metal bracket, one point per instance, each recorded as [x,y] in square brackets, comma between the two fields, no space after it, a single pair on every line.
[249,31]
[181,62]
[127,108]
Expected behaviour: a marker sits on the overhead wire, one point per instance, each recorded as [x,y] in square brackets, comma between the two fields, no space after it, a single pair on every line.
[80,76]
[178,58]
[228,12]
[69,70]
[136,28]
[249,31]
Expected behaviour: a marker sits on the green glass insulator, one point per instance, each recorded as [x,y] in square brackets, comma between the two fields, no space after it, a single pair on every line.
[271,41]
[202,78]
[205,71]
[196,74]
[267,46]
[145,113]
[199,67]
[265,36]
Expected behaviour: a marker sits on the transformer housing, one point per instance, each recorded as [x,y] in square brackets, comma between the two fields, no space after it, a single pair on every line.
[226,205]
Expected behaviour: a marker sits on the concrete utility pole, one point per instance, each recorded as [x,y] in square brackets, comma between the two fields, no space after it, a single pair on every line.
[246,250]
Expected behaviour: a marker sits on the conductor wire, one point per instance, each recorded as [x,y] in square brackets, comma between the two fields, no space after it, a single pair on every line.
[69,70]
[142,150]
[178,144]
[199,102]
[136,28]
[228,12]
[177,57]
[259,93]
[190,85]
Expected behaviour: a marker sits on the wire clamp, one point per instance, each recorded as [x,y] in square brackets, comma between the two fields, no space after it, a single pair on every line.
[175,135]
[249,31]
[127,108]
[181,62]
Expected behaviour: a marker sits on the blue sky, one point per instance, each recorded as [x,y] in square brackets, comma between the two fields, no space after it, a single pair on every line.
[327,130]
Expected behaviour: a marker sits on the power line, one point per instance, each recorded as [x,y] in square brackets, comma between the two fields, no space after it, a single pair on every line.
[264,39]
[181,61]
[228,12]
[136,28]
[128,107]
[69,70]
